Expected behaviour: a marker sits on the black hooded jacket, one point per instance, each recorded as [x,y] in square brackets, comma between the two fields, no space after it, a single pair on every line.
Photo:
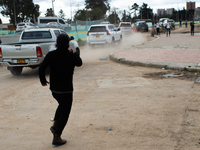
[61,63]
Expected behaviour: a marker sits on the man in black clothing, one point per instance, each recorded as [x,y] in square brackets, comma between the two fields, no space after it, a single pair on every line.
[192,28]
[62,63]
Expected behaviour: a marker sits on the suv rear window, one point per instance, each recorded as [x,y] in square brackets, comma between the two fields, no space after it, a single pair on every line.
[36,35]
[142,23]
[98,29]
[125,25]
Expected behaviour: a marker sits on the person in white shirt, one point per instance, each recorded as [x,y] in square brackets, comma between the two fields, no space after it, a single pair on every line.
[168,28]
[157,28]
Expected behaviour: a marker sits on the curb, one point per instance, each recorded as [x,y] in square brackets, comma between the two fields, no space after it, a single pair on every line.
[173,66]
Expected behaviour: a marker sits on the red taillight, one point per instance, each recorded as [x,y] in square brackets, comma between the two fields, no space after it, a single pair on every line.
[119,27]
[0,53]
[88,33]
[39,51]
[131,27]
[108,32]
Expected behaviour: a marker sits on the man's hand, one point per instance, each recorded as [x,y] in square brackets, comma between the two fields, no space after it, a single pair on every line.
[45,84]
[74,51]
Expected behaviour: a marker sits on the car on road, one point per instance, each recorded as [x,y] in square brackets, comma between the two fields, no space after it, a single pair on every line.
[142,26]
[105,22]
[103,34]
[170,21]
[53,25]
[125,27]
[161,20]
[42,22]
[25,25]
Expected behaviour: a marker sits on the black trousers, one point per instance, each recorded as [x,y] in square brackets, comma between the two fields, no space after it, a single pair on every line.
[158,31]
[63,110]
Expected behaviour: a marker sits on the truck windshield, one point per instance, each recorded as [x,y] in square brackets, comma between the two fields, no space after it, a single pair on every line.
[37,35]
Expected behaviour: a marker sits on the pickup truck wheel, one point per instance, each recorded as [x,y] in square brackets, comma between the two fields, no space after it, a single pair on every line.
[16,70]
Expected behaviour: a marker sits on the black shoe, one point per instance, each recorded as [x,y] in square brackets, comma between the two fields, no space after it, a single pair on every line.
[57,140]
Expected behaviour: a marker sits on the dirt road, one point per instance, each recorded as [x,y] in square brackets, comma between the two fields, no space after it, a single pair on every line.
[142,110]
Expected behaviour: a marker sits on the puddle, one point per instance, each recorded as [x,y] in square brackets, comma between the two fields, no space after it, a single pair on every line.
[172,75]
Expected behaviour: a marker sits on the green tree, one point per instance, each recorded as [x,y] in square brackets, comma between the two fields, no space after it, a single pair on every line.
[96,14]
[97,6]
[135,7]
[126,16]
[113,18]
[19,10]
[145,12]
[49,12]
[81,14]
[61,14]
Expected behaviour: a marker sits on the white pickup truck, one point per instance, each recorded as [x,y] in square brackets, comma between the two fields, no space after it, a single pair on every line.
[33,46]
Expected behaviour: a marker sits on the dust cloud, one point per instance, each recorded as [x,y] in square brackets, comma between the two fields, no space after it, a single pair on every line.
[129,41]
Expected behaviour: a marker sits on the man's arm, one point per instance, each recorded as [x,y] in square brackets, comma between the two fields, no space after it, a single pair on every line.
[42,70]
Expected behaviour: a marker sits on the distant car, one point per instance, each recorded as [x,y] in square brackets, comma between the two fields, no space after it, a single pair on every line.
[22,26]
[161,20]
[125,27]
[103,34]
[105,23]
[53,25]
[170,21]
[142,26]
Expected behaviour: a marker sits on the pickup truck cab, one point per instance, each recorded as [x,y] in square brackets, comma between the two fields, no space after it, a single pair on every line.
[33,46]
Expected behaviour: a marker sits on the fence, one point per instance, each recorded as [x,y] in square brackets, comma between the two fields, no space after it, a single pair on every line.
[78,29]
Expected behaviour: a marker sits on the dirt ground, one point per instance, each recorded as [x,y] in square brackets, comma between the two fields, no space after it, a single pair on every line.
[115,107]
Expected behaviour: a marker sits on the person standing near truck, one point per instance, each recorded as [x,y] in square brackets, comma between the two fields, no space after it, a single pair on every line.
[62,63]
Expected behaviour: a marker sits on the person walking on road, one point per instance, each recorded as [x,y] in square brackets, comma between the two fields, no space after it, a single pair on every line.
[62,63]
[157,28]
[168,28]
[192,27]
[186,23]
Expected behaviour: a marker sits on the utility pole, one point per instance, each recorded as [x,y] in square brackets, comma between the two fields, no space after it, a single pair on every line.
[71,10]
[53,7]
[14,12]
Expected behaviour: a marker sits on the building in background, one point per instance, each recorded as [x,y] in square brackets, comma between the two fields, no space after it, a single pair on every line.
[170,11]
[197,12]
[161,12]
[190,5]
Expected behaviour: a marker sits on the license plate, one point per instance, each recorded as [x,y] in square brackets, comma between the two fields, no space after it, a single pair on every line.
[97,36]
[20,61]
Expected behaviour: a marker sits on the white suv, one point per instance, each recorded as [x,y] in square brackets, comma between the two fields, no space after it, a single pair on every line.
[103,34]
[22,26]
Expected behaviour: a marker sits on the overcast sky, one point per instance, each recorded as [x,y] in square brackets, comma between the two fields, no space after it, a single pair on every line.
[120,5]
